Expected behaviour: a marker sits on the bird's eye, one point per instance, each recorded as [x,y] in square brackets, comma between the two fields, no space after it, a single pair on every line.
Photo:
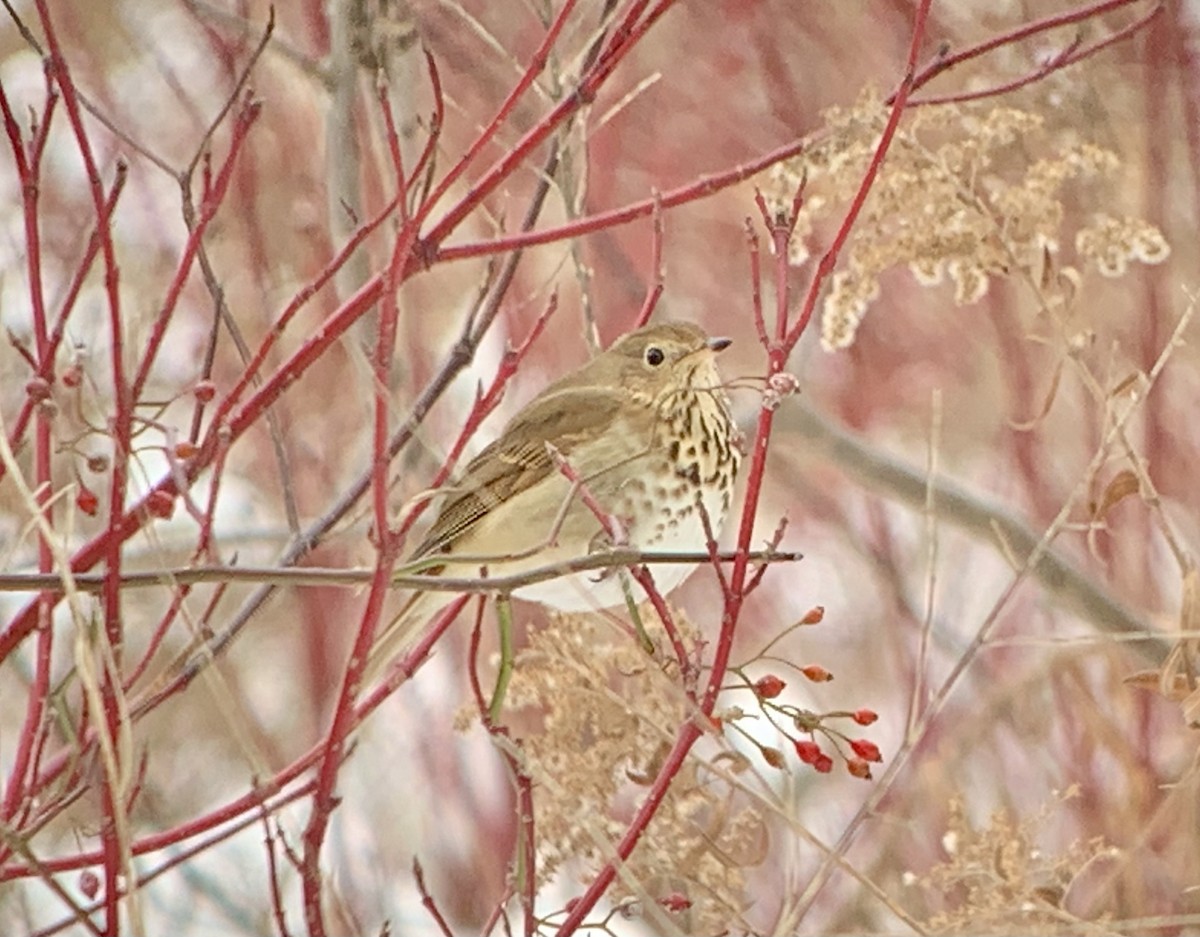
[654,356]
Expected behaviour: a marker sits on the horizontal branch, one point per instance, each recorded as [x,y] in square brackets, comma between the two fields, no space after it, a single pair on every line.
[277,576]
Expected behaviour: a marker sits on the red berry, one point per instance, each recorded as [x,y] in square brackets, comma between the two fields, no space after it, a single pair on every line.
[768,687]
[97,463]
[824,764]
[160,504]
[859,768]
[809,751]
[38,389]
[87,501]
[866,749]
[89,883]
[816,673]
[675,902]
[204,391]
[864,717]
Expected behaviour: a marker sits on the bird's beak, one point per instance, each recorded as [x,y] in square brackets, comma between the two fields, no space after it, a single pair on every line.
[719,344]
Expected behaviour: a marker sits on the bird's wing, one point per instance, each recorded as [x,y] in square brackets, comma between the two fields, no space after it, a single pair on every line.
[519,459]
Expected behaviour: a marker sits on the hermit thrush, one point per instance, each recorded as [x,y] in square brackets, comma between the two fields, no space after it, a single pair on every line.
[646,428]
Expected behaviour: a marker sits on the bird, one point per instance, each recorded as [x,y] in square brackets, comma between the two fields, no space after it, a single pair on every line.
[646,427]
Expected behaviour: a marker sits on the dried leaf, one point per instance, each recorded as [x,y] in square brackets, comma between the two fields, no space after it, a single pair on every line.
[1123,484]
[1191,709]
[1175,687]
[1046,275]
[1175,680]
[1144,679]
[1189,608]
[1047,403]
[1126,383]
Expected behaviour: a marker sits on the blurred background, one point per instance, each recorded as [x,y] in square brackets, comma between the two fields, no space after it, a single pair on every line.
[1038,788]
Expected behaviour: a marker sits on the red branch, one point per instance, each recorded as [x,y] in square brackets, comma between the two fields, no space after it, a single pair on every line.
[688,734]
[213,196]
[122,423]
[944,62]
[672,198]
[44,366]
[1074,52]
[656,267]
[388,550]
[29,166]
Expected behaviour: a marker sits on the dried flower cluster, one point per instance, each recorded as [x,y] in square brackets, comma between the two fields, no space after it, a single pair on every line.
[1003,883]
[605,714]
[967,192]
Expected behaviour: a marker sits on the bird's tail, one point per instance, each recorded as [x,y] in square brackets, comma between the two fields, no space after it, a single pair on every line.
[402,632]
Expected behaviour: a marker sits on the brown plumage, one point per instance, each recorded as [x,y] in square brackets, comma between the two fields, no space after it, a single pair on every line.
[647,428]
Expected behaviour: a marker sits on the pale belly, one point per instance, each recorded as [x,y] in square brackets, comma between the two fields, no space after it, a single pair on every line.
[658,518]
[651,487]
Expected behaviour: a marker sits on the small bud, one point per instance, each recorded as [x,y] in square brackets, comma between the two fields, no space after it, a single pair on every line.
[824,764]
[816,673]
[864,717]
[185,449]
[204,391]
[87,501]
[773,756]
[859,768]
[72,376]
[784,383]
[89,884]
[675,902]
[809,751]
[160,504]
[38,389]
[866,749]
[768,687]
[815,616]
[97,463]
